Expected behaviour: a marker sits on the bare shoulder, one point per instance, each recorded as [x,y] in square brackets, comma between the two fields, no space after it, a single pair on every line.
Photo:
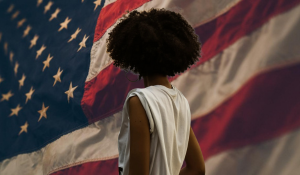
[136,109]
[134,100]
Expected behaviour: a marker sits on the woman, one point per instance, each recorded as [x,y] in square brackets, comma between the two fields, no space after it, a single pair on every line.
[156,134]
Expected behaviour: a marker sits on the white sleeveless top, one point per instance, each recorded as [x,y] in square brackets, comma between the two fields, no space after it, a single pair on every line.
[169,115]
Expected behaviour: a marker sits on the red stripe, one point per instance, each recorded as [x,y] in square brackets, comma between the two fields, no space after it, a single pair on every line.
[110,13]
[240,20]
[264,108]
[106,93]
[108,167]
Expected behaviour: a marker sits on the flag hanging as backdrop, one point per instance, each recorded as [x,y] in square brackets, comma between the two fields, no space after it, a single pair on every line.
[61,98]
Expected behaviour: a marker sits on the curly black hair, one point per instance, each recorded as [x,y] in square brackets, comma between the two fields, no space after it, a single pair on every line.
[153,42]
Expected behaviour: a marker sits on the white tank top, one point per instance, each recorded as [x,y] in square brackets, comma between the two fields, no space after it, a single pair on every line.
[169,115]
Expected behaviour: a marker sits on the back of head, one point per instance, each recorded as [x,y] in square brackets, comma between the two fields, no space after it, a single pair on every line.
[154,42]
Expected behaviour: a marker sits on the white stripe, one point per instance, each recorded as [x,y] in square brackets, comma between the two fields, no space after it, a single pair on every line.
[107,2]
[275,44]
[279,156]
[195,12]
[98,141]
[202,11]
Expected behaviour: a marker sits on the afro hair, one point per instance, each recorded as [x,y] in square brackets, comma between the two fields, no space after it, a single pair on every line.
[153,42]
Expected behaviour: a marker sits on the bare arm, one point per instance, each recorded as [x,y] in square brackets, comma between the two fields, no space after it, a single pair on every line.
[139,138]
[194,159]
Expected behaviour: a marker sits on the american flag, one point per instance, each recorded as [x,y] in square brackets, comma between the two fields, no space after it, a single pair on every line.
[61,98]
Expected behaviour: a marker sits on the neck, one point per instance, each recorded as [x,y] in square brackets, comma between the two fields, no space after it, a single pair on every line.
[157,80]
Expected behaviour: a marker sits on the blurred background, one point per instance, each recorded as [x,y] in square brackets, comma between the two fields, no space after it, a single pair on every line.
[61,98]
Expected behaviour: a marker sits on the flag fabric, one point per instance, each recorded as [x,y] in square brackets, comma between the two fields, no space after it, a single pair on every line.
[62,98]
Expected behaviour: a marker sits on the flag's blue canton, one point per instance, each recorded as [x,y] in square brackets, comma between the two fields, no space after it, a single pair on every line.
[59,116]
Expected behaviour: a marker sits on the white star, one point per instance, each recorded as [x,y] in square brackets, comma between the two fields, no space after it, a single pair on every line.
[47,62]
[97,3]
[70,91]
[57,76]
[26,31]
[33,41]
[11,56]
[82,43]
[39,2]
[24,128]
[29,94]
[15,15]
[21,81]
[15,111]
[39,52]
[5,47]
[21,22]
[54,15]
[64,25]
[1,79]
[74,35]
[43,112]
[10,8]
[6,96]
[48,6]
[16,68]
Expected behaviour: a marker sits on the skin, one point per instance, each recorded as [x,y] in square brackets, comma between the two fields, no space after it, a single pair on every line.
[139,161]
[156,80]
